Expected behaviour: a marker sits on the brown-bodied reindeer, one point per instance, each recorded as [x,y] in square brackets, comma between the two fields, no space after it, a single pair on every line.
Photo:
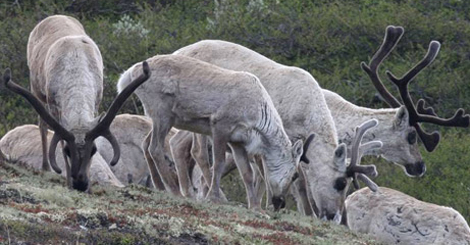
[66,74]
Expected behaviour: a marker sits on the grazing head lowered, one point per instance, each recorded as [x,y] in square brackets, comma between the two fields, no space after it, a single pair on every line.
[66,74]
[331,208]
[193,95]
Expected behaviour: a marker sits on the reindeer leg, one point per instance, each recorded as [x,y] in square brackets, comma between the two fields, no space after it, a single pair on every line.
[247,174]
[43,131]
[258,175]
[159,132]
[218,150]
[180,145]
[199,151]
[154,175]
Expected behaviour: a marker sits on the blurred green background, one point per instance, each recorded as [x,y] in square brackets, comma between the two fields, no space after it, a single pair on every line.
[327,38]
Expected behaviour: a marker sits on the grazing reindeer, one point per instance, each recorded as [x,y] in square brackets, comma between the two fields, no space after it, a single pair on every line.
[303,110]
[66,72]
[193,95]
[23,145]
[399,127]
[393,217]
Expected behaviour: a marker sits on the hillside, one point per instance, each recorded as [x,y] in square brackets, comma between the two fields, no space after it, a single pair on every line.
[37,209]
[329,39]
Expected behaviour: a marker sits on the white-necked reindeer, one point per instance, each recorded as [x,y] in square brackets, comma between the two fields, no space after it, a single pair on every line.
[232,107]
[393,217]
[399,128]
[299,100]
[22,145]
[66,74]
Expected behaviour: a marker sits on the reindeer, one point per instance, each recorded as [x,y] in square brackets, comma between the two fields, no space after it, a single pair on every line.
[66,74]
[304,112]
[22,145]
[193,95]
[399,127]
[393,217]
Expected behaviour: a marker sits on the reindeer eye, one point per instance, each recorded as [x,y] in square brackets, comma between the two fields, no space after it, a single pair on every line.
[412,138]
[340,184]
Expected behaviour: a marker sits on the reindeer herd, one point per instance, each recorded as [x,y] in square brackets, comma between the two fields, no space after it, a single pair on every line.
[215,106]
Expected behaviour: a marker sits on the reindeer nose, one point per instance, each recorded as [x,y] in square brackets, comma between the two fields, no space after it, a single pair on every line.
[416,169]
[80,185]
[278,203]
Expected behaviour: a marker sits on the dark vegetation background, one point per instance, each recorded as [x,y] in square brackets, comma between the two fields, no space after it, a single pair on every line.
[327,38]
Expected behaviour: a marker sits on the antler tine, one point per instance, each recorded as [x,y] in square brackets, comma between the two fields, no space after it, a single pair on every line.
[371,184]
[360,131]
[359,172]
[430,140]
[422,109]
[392,37]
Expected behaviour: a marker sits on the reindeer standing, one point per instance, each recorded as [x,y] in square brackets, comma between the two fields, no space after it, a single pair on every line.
[66,74]
[232,107]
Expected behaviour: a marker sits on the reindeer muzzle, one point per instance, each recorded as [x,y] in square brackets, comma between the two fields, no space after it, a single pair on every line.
[278,203]
[415,169]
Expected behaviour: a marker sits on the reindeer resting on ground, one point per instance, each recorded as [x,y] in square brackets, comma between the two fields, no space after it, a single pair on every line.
[23,145]
[398,128]
[66,73]
[393,217]
[232,107]
[301,105]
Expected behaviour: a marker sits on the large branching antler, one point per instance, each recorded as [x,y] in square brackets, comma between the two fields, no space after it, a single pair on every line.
[362,172]
[59,131]
[418,113]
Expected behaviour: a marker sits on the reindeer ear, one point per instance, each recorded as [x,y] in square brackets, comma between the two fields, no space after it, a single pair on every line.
[340,157]
[402,118]
[304,157]
[297,149]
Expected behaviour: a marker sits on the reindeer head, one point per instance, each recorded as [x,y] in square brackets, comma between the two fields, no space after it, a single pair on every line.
[406,124]
[330,183]
[80,146]
[281,177]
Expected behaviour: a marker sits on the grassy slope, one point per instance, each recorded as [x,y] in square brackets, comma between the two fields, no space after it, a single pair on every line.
[37,208]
